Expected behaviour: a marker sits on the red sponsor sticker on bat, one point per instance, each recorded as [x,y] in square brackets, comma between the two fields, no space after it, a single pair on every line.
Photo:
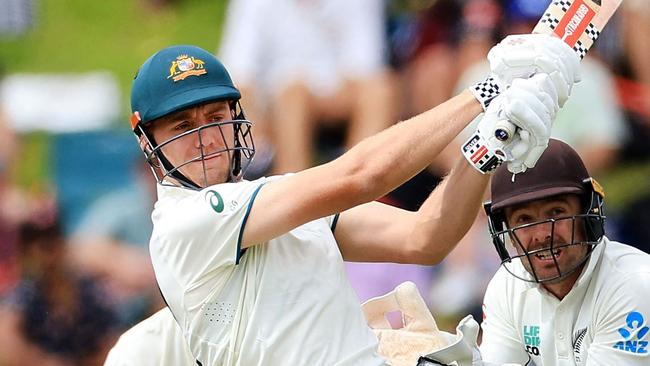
[574,22]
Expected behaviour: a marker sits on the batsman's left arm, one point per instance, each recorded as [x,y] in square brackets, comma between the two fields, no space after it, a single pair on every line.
[376,232]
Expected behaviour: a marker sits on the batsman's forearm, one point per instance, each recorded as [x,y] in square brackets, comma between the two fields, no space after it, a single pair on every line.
[393,156]
[449,212]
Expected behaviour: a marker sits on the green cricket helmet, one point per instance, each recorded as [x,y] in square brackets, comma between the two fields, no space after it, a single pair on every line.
[177,78]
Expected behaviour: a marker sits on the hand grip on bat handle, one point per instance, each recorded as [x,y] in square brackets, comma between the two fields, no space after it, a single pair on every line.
[504,130]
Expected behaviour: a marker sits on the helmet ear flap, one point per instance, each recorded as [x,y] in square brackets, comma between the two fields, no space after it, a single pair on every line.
[595,228]
[593,201]
[495,219]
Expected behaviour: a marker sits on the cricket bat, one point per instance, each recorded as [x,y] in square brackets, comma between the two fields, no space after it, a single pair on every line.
[578,23]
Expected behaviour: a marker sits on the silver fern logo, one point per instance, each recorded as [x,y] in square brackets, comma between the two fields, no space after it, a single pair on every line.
[578,337]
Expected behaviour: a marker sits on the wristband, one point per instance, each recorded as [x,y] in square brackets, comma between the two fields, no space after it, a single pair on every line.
[485,91]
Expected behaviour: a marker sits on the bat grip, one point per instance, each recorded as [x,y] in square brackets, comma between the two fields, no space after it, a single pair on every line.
[504,130]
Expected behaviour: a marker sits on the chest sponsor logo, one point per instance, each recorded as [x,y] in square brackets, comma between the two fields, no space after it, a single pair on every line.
[578,337]
[634,334]
[215,200]
[531,339]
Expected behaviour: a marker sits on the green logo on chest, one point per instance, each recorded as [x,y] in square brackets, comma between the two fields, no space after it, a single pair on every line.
[215,200]
[531,339]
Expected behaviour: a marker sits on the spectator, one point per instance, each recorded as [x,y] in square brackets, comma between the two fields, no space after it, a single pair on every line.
[14,205]
[323,62]
[54,316]
[118,226]
[17,17]
[637,41]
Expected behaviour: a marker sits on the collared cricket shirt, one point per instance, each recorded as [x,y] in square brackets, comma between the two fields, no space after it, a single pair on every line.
[604,320]
[284,302]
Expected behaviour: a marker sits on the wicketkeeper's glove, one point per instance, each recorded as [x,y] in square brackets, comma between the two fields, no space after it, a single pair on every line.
[420,334]
[462,348]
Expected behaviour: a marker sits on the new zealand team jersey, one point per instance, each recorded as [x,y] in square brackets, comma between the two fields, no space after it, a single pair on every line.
[283,302]
[603,320]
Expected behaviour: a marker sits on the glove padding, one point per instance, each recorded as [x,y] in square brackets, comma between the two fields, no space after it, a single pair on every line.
[521,56]
[420,334]
[531,105]
[462,348]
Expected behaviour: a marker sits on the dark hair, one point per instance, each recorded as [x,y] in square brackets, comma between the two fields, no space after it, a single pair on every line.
[30,233]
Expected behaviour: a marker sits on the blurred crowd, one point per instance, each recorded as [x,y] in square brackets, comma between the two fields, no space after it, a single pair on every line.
[317,76]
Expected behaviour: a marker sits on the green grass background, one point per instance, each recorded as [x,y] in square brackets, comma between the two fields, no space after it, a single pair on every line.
[77,36]
[113,35]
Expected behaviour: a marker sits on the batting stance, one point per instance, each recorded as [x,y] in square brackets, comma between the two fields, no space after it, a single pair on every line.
[253,270]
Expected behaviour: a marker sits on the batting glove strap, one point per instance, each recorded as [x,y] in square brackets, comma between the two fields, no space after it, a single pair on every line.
[481,155]
[485,91]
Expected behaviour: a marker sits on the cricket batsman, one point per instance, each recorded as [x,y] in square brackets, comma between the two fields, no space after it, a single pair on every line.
[253,270]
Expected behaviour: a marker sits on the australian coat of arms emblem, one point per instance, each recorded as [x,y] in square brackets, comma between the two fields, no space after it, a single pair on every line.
[185,66]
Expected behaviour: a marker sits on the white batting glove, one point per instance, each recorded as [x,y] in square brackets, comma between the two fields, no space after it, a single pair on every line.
[531,105]
[521,56]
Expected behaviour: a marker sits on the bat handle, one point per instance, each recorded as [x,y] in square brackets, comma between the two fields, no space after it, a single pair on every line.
[504,130]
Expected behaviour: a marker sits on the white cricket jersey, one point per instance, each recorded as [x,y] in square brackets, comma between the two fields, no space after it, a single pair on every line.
[284,302]
[155,341]
[604,319]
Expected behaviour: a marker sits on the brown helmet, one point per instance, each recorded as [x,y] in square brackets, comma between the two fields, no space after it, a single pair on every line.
[559,171]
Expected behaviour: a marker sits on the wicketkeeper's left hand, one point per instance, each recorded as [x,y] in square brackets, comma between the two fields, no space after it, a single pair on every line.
[462,349]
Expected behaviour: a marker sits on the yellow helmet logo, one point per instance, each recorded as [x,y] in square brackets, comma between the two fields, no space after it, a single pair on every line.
[185,66]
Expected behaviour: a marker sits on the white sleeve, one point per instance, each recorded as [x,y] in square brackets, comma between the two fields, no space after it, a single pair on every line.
[500,341]
[134,347]
[155,341]
[622,333]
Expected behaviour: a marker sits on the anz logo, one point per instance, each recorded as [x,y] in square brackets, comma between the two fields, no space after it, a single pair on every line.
[634,334]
